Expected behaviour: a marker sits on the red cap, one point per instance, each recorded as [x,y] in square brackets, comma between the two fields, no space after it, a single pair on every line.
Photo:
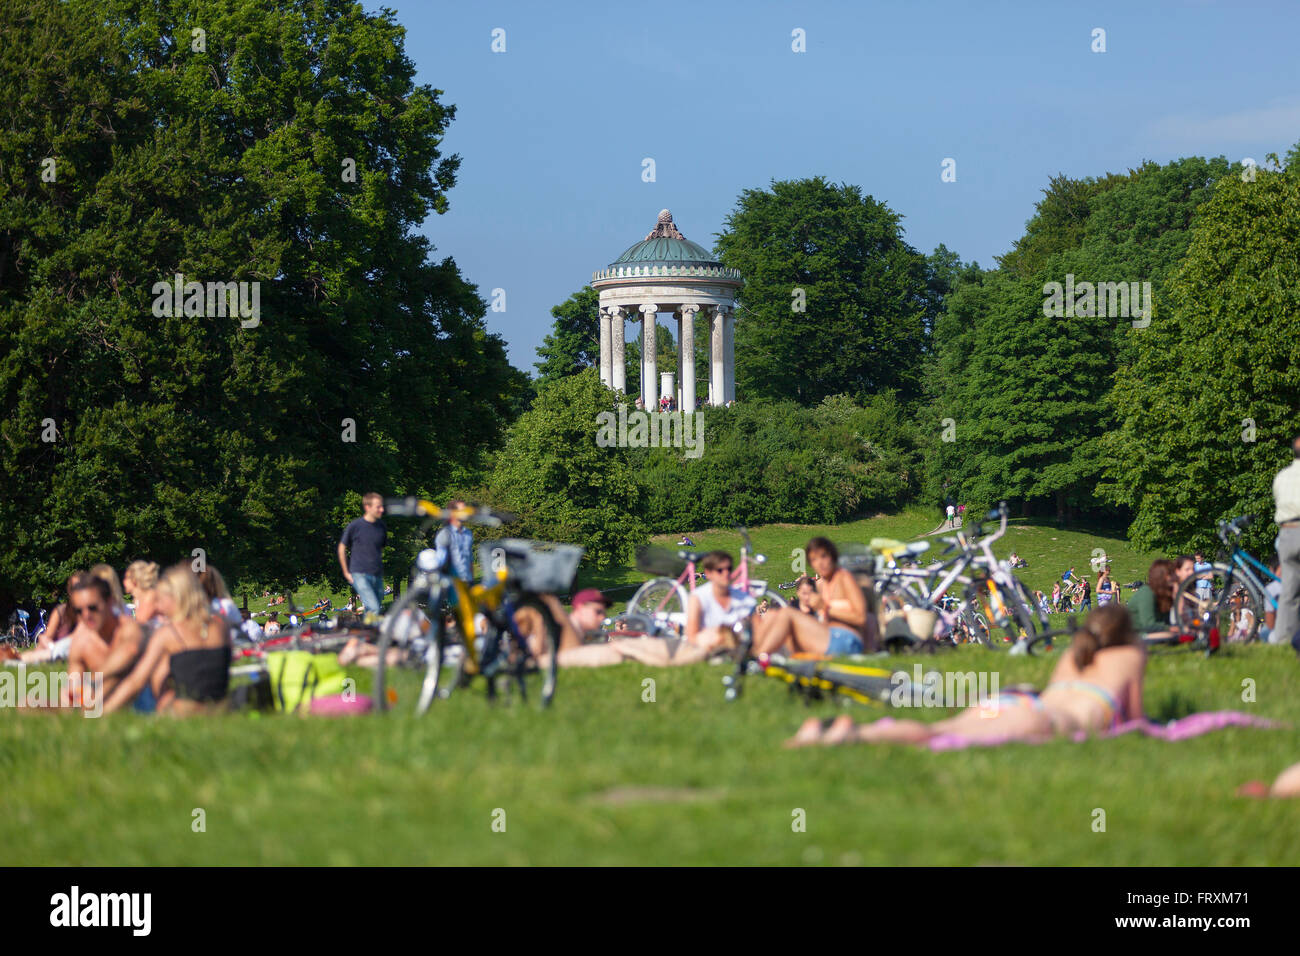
[589,596]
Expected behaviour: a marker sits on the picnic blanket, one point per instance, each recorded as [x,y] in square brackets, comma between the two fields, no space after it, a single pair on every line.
[1193,725]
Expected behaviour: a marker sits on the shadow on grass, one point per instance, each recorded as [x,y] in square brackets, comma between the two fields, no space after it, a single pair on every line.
[1172,705]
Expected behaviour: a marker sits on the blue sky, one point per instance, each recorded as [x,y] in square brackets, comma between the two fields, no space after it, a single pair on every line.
[552,132]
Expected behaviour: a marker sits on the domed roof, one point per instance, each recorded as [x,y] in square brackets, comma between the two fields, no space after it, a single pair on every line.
[666,253]
[666,244]
[665,250]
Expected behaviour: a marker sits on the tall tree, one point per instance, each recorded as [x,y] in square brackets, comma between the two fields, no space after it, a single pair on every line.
[834,299]
[1210,401]
[284,145]
[1028,393]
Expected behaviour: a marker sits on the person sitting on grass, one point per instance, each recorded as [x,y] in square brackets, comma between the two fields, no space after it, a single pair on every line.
[99,631]
[841,622]
[56,640]
[1150,604]
[805,589]
[712,613]
[141,580]
[187,662]
[1095,686]
[223,605]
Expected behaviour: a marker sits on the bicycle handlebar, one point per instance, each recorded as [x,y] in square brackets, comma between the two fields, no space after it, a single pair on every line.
[413,507]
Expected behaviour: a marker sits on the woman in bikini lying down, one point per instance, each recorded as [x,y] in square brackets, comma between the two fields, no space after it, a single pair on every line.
[1096,685]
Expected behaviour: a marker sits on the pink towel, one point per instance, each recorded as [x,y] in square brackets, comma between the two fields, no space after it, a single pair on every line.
[1192,725]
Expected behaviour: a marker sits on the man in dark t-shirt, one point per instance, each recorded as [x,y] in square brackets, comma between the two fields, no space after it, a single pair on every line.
[366,537]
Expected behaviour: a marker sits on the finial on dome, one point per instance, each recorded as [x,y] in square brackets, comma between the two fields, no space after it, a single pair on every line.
[665,229]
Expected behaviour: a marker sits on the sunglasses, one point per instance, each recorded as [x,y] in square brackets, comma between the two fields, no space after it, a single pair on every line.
[726,570]
[88,608]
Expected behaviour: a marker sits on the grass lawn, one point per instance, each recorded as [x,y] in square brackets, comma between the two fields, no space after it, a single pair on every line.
[606,777]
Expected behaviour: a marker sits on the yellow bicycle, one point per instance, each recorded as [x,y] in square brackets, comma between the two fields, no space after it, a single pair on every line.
[432,627]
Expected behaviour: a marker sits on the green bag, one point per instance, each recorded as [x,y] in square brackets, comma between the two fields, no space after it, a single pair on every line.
[298,676]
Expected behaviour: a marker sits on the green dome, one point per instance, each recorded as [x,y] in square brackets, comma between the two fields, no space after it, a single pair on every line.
[666,253]
[662,249]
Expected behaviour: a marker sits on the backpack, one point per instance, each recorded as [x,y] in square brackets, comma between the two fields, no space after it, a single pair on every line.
[301,676]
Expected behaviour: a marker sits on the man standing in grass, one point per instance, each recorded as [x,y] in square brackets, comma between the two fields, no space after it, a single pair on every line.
[1286,493]
[366,537]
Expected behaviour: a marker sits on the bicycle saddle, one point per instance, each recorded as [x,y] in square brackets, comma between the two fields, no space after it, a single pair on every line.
[695,556]
[890,546]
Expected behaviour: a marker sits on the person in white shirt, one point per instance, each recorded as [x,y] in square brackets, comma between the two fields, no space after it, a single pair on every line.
[952,513]
[712,611]
[1286,495]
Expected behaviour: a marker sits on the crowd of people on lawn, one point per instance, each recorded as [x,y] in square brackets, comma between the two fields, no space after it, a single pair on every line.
[170,650]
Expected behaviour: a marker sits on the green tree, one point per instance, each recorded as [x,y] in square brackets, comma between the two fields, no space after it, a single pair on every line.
[561,483]
[228,160]
[573,343]
[1210,401]
[839,256]
[1028,393]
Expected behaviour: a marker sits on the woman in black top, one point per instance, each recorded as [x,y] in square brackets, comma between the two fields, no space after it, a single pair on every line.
[187,661]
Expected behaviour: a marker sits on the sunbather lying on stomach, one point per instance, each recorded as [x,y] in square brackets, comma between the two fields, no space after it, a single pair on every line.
[1096,685]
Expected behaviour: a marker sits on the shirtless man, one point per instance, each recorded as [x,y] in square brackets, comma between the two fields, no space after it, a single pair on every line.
[98,631]
[840,622]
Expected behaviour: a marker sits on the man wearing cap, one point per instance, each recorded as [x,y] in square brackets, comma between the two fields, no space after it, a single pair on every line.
[588,614]
[1286,493]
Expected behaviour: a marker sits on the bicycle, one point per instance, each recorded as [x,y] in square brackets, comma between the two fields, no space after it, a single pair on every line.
[1231,597]
[664,598]
[520,572]
[17,634]
[991,596]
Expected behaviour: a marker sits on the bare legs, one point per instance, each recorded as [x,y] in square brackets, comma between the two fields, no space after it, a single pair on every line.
[993,721]
[780,626]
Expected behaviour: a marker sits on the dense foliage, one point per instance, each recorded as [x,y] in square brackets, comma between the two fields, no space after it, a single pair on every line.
[223,156]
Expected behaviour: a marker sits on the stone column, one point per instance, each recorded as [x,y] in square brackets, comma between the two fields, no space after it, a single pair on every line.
[606,355]
[717,350]
[686,349]
[617,358]
[649,358]
[729,357]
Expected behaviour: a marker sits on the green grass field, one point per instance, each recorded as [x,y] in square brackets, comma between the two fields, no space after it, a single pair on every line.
[607,777]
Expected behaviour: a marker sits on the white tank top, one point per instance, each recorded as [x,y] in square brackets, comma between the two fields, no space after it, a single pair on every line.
[714,614]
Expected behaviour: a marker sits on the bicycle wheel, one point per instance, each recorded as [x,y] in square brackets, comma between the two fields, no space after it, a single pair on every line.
[1220,598]
[662,600]
[975,621]
[415,642]
[532,670]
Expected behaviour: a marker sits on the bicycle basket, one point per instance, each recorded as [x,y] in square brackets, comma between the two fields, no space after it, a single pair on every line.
[541,566]
[660,561]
